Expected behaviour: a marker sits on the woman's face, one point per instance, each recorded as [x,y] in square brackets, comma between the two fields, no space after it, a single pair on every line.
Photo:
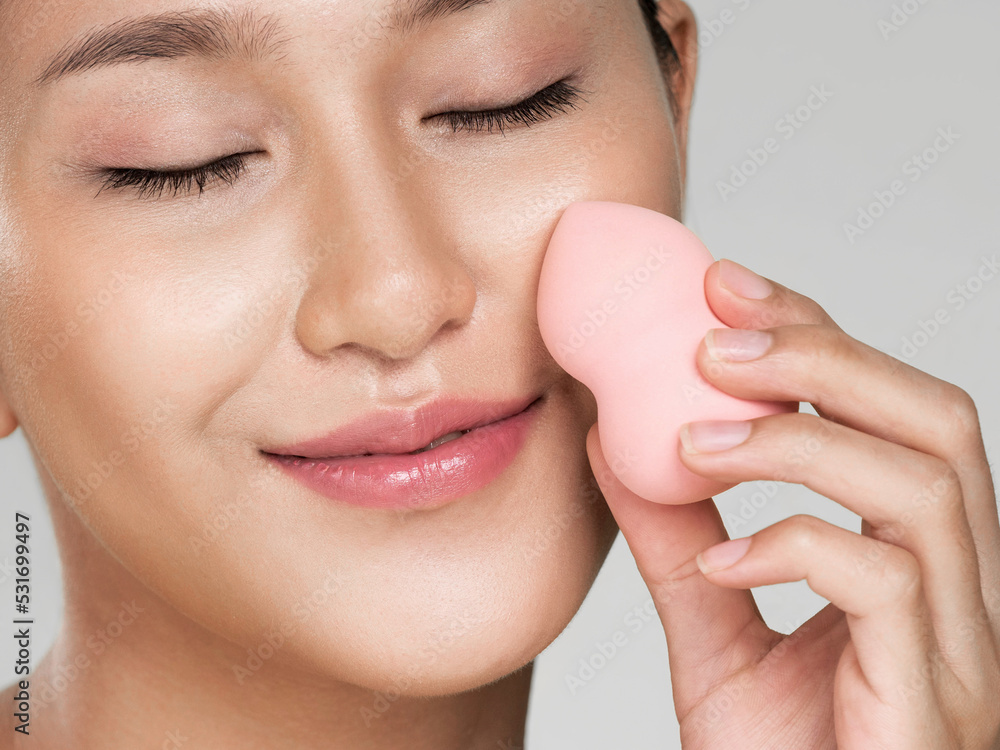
[155,340]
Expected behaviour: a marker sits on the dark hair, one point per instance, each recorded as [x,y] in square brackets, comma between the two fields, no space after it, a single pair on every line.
[666,53]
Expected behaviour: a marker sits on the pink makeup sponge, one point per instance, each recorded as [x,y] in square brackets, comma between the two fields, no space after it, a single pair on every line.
[622,308]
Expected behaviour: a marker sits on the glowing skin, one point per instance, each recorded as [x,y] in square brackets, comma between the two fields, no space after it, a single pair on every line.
[366,258]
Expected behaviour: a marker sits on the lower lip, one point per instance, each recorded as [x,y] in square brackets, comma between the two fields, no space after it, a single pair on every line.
[422,480]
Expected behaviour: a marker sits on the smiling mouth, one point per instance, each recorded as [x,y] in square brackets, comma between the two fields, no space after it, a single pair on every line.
[365,464]
[388,434]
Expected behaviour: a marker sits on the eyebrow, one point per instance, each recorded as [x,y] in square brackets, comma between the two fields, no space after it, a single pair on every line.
[406,17]
[215,34]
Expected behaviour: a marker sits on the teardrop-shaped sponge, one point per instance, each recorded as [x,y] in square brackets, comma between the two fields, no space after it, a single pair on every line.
[622,308]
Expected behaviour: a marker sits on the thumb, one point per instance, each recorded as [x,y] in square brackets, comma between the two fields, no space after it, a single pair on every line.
[711,631]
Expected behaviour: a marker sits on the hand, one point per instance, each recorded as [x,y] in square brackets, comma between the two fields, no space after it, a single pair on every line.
[906,654]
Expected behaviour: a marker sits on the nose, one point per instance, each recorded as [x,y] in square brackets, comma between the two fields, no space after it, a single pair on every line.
[392,281]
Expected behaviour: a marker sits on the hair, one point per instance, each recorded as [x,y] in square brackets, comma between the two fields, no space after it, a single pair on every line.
[666,53]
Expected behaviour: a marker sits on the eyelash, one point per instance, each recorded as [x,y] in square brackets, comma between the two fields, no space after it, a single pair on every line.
[149,183]
[541,106]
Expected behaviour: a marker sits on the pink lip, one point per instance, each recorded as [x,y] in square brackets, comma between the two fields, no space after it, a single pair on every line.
[337,465]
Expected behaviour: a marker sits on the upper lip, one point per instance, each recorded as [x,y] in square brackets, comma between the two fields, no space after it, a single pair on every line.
[403,431]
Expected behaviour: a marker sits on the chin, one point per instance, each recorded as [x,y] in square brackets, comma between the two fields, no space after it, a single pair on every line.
[504,624]
[442,628]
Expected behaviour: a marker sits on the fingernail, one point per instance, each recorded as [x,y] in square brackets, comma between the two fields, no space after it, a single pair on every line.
[713,435]
[736,344]
[723,555]
[742,281]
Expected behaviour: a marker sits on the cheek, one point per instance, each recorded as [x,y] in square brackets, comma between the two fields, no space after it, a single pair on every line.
[634,161]
[125,346]
[123,351]
[617,153]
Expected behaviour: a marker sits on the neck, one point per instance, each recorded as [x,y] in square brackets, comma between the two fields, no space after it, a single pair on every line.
[128,670]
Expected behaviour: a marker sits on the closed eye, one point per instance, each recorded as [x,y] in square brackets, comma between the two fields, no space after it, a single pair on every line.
[544,105]
[150,183]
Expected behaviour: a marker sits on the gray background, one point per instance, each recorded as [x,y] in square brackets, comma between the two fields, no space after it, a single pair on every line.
[889,97]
